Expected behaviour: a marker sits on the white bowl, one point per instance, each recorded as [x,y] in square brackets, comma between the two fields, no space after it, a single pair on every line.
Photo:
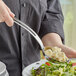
[27,70]
[3,71]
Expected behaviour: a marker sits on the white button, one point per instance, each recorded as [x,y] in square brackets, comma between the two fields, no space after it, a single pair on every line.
[24,5]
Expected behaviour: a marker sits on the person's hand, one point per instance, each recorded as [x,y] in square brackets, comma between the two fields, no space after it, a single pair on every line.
[5,14]
[53,39]
[70,53]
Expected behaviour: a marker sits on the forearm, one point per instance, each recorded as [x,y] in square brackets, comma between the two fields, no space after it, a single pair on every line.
[52,39]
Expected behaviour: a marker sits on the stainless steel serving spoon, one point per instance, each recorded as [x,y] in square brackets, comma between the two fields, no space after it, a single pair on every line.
[33,33]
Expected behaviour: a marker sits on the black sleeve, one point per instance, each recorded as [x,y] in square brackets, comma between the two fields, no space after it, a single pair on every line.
[53,19]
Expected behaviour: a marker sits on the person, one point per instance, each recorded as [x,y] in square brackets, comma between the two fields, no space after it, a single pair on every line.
[17,47]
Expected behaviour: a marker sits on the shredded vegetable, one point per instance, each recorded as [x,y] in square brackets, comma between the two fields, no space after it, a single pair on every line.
[57,66]
[55,69]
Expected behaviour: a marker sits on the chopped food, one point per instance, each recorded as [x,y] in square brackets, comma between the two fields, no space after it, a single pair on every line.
[56,54]
[55,69]
[47,63]
[57,66]
[74,64]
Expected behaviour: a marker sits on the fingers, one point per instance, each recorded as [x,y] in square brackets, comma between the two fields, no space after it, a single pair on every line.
[5,14]
[8,20]
[71,53]
[71,56]
[10,13]
[1,19]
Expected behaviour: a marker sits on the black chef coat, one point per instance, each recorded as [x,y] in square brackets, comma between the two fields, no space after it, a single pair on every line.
[17,47]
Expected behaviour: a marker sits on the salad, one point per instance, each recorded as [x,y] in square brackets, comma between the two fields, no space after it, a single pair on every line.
[56,53]
[56,66]
[55,69]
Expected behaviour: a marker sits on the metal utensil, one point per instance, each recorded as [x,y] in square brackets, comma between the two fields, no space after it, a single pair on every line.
[33,33]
